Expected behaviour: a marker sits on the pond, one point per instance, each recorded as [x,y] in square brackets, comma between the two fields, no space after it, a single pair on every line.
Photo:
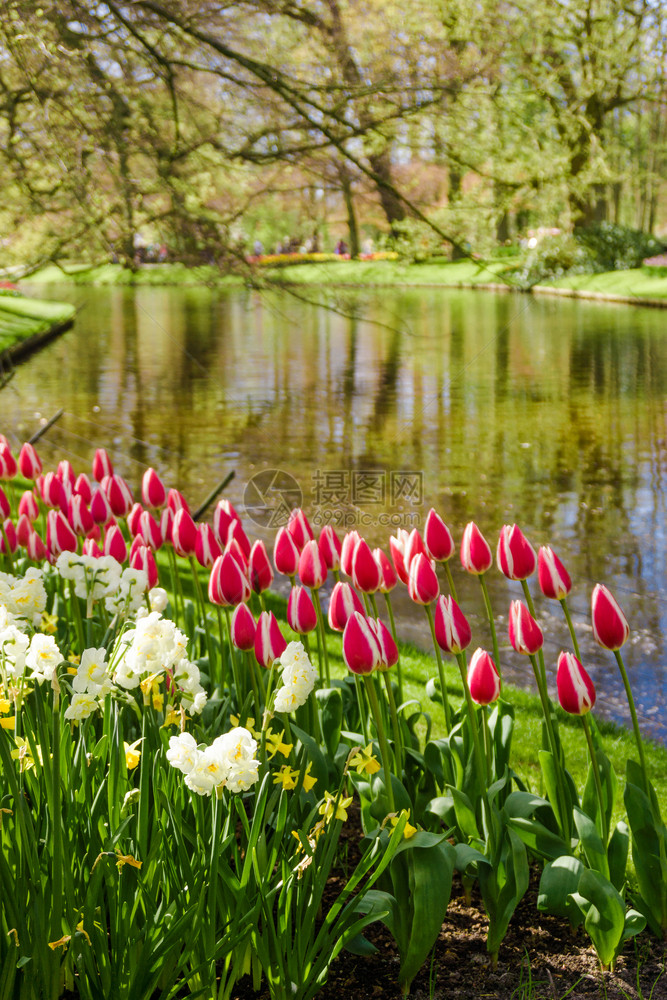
[380,404]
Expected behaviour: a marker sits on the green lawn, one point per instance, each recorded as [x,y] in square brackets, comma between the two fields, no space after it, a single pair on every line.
[22,318]
[640,282]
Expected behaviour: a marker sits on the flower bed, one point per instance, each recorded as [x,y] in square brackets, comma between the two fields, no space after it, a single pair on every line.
[178,766]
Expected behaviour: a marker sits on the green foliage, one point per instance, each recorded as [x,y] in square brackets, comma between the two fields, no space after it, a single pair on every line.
[617,248]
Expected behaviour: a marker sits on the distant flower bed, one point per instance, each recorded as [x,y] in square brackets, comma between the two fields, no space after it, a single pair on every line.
[7,288]
[287,259]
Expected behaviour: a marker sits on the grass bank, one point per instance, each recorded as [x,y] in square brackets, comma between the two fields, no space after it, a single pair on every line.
[24,322]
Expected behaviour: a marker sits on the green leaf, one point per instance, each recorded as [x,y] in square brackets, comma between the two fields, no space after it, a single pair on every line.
[594,849]
[539,838]
[559,880]
[617,854]
[330,702]
[431,870]
[604,914]
[648,851]
[465,814]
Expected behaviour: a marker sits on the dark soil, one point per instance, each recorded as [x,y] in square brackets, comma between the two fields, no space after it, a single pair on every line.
[540,959]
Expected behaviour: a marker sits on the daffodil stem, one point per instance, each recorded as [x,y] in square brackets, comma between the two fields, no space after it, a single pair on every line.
[392,626]
[633,713]
[382,739]
[320,624]
[492,624]
[441,669]
[603,830]
[568,619]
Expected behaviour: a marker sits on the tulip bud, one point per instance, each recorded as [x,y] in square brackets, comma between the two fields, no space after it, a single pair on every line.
[414,546]
[423,586]
[102,465]
[312,568]
[452,631]
[91,548]
[166,524]
[144,559]
[396,548]
[269,641]
[207,549]
[237,552]
[576,692]
[299,528]
[386,644]
[114,544]
[35,548]
[344,601]
[236,533]
[8,466]
[348,545]
[301,613]
[330,547]
[228,584]
[137,543]
[285,553]
[24,530]
[29,506]
[476,556]
[243,628]
[553,578]
[524,632]
[8,540]
[79,516]
[53,494]
[30,463]
[133,519]
[184,533]
[221,522]
[260,572]
[83,489]
[366,575]
[483,678]
[176,501]
[66,476]
[5,508]
[515,555]
[150,531]
[388,576]
[610,626]
[361,650]
[100,508]
[59,535]
[437,538]
[118,494]
[153,492]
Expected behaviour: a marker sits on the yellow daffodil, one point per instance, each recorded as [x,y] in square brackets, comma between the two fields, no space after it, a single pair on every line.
[288,776]
[409,830]
[249,724]
[127,859]
[364,762]
[276,745]
[23,754]
[5,705]
[9,722]
[331,809]
[308,780]
[75,659]
[62,943]
[172,717]
[49,623]
[132,753]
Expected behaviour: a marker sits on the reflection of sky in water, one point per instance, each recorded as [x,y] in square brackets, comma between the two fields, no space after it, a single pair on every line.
[544,412]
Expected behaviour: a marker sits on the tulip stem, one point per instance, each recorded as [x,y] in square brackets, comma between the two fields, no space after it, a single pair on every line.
[492,624]
[487,744]
[320,623]
[531,608]
[253,681]
[633,713]
[394,722]
[474,729]
[450,582]
[222,650]
[240,691]
[392,625]
[555,750]
[382,739]
[603,830]
[202,609]
[441,669]
[362,708]
[573,634]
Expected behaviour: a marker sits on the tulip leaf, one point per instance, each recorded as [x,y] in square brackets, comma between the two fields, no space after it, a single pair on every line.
[649,849]
[617,854]
[465,814]
[604,914]
[503,885]
[559,880]
[538,838]
[330,703]
[501,727]
[594,849]
[609,785]
[430,873]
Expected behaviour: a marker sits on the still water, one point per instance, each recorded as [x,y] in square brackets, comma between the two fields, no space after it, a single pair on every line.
[375,407]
